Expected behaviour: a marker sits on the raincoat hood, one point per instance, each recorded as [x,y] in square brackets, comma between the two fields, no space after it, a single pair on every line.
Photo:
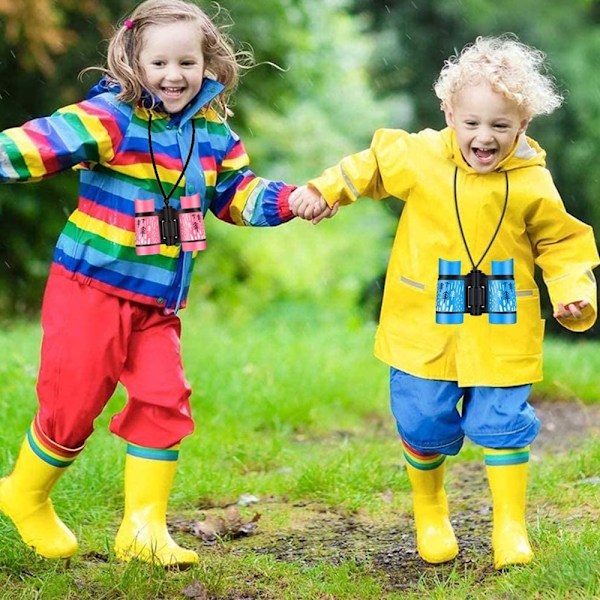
[209,91]
[525,152]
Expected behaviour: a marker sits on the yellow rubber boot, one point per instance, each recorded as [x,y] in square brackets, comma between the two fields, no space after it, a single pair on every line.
[436,542]
[143,533]
[24,498]
[508,484]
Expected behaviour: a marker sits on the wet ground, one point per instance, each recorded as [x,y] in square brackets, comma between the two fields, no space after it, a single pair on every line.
[389,548]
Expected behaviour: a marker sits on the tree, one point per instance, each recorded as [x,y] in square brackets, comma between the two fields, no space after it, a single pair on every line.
[43,45]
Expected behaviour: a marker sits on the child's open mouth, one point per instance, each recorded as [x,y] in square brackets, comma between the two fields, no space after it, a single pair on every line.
[171,91]
[484,155]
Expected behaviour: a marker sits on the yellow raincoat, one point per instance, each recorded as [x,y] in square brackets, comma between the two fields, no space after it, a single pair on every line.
[536,230]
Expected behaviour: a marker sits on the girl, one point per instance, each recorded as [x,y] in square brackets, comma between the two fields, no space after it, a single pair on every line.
[153,129]
[478,194]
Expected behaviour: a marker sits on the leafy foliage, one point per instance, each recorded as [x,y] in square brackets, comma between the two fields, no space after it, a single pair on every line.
[43,45]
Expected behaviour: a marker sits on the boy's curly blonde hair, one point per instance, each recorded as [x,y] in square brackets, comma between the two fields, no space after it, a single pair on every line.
[512,68]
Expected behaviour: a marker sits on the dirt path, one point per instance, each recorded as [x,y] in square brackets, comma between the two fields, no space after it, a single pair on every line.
[565,425]
[389,547]
[334,538]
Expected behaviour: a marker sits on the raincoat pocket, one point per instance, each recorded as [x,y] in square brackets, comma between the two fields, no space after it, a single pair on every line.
[525,337]
[408,324]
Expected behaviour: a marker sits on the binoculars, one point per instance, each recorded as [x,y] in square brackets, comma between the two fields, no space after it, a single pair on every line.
[476,293]
[169,226]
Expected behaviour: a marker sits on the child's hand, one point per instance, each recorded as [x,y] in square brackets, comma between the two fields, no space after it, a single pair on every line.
[570,310]
[304,200]
[326,213]
[307,203]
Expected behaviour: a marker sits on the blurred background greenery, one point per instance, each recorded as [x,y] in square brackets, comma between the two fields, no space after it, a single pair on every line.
[346,67]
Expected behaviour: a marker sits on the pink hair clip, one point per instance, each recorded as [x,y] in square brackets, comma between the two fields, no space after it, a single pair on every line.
[128,24]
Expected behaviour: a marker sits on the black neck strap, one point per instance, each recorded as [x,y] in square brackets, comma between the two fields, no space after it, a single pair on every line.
[462,233]
[187,162]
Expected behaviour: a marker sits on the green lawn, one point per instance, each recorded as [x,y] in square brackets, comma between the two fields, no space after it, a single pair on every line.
[292,408]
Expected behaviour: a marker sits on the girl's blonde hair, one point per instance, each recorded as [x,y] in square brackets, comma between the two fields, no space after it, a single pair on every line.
[511,68]
[222,62]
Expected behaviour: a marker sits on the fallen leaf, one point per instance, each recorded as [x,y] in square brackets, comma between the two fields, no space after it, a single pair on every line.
[229,526]
[195,590]
[210,528]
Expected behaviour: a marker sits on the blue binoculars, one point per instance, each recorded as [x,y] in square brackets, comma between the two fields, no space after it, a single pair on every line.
[476,293]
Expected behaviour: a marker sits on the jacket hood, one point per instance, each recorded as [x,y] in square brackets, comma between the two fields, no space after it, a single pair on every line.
[526,152]
[209,91]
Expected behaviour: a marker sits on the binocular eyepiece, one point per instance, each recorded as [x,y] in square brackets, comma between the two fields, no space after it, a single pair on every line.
[169,226]
[476,293]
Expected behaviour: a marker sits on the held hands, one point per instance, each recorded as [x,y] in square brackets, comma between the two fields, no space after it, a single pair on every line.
[571,310]
[308,204]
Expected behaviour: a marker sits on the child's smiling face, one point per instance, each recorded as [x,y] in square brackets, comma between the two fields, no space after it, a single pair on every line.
[173,63]
[486,123]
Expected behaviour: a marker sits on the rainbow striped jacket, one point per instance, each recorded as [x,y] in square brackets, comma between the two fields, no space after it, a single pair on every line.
[107,141]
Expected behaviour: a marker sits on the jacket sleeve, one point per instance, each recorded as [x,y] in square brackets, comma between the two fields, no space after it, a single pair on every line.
[379,172]
[83,132]
[565,250]
[243,198]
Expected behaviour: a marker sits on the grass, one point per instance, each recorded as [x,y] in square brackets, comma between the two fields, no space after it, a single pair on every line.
[292,408]
[571,370]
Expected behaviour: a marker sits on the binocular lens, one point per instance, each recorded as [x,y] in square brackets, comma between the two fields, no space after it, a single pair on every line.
[450,299]
[169,226]
[494,294]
